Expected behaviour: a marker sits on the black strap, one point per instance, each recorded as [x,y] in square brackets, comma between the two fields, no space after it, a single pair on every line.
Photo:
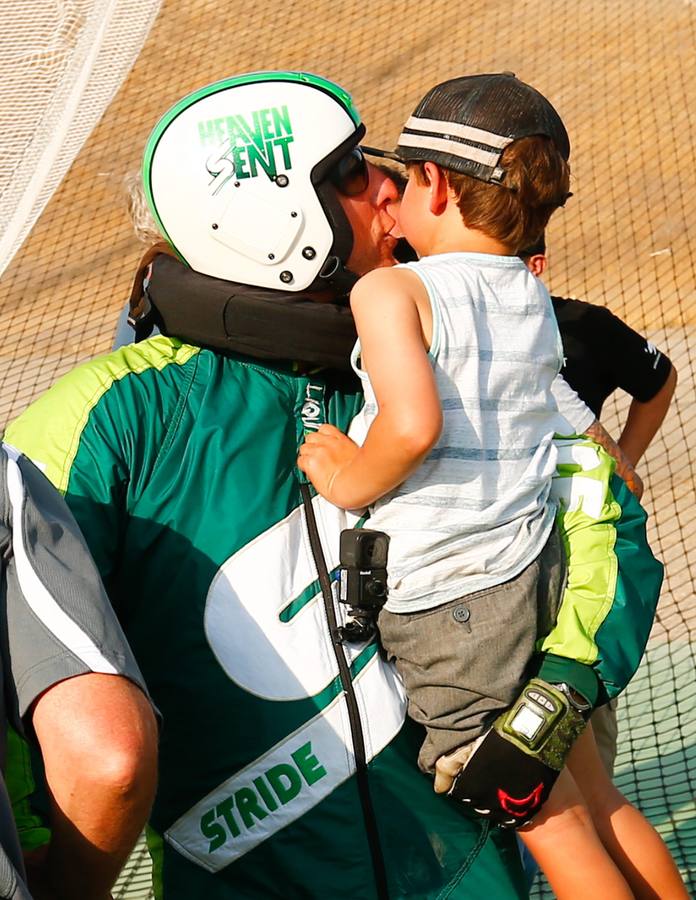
[369,818]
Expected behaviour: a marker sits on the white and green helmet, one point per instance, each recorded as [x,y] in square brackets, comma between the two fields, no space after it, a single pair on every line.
[240,177]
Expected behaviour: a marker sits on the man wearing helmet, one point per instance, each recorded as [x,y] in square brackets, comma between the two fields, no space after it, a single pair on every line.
[287,762]
[244,211]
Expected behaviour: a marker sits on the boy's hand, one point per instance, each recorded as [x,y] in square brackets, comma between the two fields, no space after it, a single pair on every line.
[323,456]
[507,774]
[633,480]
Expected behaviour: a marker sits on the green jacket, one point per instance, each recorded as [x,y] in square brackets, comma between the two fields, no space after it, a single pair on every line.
[287,763]
[613,580]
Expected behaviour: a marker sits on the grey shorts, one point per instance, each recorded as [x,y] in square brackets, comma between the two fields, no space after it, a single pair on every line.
[606,731]
[465,662]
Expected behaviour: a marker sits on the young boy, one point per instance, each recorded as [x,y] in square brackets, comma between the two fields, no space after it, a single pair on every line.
[459,353]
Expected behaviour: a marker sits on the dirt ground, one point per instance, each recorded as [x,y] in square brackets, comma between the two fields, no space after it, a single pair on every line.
[621,72]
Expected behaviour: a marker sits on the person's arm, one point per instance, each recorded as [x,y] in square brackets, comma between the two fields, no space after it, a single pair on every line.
[645,418]
[634,364]
[98,739]
[624,466]
[577,418]
[409,418]
[71,674]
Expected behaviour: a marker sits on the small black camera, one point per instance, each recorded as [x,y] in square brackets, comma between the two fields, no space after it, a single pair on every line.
[363,580]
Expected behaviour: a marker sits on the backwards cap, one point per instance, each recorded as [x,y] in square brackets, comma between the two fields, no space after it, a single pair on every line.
[466,123]
[236,178]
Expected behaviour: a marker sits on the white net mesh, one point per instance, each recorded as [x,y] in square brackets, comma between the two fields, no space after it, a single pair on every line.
[62,63]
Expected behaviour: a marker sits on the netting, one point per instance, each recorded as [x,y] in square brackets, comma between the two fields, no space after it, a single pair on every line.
[62,63]
[622,74]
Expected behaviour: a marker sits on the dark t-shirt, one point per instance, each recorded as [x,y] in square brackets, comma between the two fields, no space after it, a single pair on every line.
[55,619]
[602,354]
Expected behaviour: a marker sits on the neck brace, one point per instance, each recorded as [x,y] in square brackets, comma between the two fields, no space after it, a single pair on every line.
[257,322]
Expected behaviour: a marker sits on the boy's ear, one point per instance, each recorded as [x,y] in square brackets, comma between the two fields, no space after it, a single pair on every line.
[537,264]
[438,188]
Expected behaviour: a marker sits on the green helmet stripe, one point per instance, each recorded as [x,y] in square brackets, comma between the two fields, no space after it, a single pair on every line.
[322,84]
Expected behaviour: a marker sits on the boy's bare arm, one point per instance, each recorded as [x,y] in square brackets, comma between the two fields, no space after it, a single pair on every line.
[409,419]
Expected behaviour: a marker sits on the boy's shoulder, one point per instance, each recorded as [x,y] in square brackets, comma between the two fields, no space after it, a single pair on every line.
[473,258]
[468,265]
[395,279]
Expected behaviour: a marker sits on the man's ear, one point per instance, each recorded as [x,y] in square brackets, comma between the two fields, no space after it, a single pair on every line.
[438,188]
[537,264]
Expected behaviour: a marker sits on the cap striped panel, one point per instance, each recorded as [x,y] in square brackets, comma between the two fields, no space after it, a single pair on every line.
[456,129]
[455,148]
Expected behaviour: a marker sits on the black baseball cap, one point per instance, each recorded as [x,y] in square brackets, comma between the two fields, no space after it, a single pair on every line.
[464,124]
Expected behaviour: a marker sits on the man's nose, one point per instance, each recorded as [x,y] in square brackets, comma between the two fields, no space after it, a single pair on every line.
[388,193]
[387,202]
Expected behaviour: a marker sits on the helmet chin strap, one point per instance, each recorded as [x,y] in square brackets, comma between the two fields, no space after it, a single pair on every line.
[334,274]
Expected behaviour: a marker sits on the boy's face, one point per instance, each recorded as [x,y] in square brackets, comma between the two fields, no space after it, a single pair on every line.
[413,210]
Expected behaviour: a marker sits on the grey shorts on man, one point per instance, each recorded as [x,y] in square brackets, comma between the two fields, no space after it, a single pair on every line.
[465,662]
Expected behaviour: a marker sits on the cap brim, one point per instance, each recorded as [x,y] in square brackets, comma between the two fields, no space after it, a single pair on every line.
[382,154]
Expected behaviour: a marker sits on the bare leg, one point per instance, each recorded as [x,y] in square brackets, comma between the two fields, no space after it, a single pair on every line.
[632,842]
[564,842]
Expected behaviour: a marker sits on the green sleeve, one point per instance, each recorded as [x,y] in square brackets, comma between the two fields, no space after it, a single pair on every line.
[613,579]
[21,787]
[96,435]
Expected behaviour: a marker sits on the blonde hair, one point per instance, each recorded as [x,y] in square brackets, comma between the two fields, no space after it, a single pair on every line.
[144,225]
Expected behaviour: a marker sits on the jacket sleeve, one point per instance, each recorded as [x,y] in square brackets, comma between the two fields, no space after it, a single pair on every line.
[613,579]
[97,433]
[65,437]
[58,619]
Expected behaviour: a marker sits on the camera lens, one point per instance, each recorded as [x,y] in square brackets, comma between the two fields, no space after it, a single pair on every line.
[376,588]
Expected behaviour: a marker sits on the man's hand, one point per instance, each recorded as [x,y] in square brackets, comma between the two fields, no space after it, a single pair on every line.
[323,456]
[624,466]
[633,480]
[507,775]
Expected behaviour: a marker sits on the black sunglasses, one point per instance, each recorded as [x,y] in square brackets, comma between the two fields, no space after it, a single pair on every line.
[350,175]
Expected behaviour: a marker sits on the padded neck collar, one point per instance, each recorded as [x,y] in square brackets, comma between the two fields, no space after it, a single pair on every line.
[257,322]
